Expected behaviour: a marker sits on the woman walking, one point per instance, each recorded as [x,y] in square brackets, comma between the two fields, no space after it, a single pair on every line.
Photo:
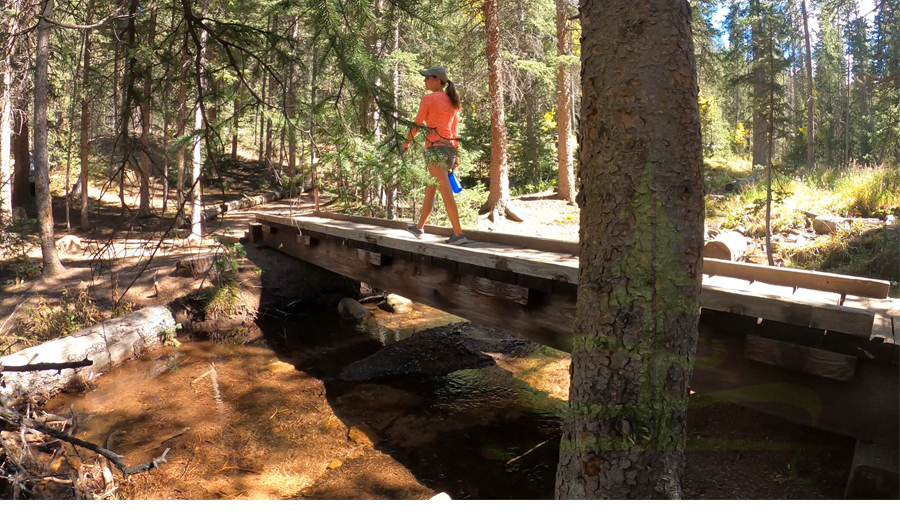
[439,114]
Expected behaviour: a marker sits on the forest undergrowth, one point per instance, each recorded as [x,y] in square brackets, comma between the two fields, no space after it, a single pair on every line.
[868,245]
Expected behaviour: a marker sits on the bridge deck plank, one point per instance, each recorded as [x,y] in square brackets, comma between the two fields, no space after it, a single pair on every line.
[547,265]
[860,316]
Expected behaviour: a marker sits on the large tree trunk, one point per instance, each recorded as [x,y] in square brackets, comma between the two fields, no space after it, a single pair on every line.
[497,204]
[52,266]
[179,132]
[236,118]
[760,93]
[641,198]
[810,97]
[144,210]
[6,171]
[128,98]
[21,192]
[391,189]
[85,122]
[290,107]
[6,118]
[260,112]
[196,184]
[565,138]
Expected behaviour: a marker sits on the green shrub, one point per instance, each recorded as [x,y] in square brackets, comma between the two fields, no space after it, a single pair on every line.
[15,241]
[221,299]
[76,311]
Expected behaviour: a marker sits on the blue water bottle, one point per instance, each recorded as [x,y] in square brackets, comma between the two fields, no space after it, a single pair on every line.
[454,183]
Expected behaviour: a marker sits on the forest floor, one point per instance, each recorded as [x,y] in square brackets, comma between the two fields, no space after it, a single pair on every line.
[279,425]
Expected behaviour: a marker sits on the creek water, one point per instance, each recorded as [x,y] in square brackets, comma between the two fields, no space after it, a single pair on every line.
[241,410]
[469,412]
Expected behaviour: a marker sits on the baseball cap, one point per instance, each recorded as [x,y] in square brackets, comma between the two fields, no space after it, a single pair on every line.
[438,72]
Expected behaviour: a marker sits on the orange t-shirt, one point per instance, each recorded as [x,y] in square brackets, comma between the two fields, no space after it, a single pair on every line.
[441,119]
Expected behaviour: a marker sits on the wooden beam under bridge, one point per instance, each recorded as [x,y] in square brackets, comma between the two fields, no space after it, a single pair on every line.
[530,307]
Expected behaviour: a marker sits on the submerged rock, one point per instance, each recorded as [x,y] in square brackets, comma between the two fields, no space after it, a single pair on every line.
[350,309]
[433,352]
[380,396]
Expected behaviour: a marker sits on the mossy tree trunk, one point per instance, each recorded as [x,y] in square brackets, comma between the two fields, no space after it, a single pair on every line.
[641,199]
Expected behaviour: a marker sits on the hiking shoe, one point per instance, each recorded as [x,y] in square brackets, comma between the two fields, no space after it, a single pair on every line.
[414,230]
[457,240]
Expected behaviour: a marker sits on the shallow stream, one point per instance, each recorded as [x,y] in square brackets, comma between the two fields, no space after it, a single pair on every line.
[326,409]
[271,419]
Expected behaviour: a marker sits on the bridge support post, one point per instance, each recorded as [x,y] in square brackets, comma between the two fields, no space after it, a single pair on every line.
[874,474]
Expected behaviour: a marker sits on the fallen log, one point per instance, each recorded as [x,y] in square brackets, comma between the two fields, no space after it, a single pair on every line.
[211,213]
[739,184]
[727,246]
[106,345]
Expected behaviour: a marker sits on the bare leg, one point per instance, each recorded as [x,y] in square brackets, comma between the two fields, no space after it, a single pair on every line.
[446,191]
[427,205]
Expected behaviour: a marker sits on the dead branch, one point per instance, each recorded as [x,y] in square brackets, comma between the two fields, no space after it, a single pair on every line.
[46,366]
[14,418]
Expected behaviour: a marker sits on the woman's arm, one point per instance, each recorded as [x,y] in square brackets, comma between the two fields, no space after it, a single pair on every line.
[420,118]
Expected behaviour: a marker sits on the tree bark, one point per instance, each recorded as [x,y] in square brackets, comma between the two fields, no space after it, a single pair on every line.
[179,132]
[565,138]
[290,103]
[810,97]
[21,193]
[129,94]
[144,208]
[196,183]
[497,204]
[52,266]
[760,119]
[395,84]
[6,170]
[260,111]
[6,118]
[85,122]
[235,121]
[641,197]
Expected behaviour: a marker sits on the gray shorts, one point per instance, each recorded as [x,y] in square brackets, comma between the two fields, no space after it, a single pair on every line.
[443,156]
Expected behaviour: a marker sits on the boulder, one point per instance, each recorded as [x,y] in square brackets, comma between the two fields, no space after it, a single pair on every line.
[397,304]
[350,309]
[364,434]
[69,244]
[828,224]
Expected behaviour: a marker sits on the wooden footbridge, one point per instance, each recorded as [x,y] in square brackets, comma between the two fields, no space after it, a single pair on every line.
[819,349]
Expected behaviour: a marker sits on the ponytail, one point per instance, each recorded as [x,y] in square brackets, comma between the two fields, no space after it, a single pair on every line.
[451,93]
